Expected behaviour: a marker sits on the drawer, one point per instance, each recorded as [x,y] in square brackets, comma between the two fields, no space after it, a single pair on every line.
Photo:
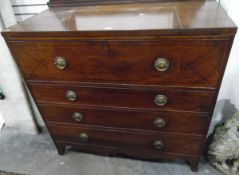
[191,62]
[170,143]
[180,122]
[198,101]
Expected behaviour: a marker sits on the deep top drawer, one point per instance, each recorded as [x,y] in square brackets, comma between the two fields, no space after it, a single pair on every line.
[185,63]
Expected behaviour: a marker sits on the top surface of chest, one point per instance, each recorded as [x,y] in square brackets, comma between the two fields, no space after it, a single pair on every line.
[165,18]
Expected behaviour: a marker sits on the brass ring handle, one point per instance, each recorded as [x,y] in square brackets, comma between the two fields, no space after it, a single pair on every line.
[159,122]
[71,95]
[158,144]
[83,137]
[60,63]
[161,64]
[77,116]
[160,100]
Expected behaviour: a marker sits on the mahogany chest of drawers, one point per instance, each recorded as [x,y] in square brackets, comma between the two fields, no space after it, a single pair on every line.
[138,80]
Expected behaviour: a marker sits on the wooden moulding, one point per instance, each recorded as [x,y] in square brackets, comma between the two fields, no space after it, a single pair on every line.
[64,3]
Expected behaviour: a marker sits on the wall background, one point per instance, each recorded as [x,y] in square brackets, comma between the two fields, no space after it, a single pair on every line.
[24,9]
[15,109]
[228,99]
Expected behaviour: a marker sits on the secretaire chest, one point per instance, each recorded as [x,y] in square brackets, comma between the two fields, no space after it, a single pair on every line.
[133,79]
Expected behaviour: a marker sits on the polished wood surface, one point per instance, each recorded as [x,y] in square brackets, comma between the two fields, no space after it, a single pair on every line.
[195,101]
[175,122]
[195,63]
[139,19]
[110,53]
[63,3]
[177,144]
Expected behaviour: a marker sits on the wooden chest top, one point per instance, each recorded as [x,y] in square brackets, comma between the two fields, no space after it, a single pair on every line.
[167,18]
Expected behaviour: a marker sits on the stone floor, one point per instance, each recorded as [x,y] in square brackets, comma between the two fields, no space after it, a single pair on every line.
[7,173]
[36,155]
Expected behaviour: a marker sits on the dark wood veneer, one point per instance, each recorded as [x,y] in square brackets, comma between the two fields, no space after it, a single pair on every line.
[195,101]
[64,3]
[110,51]
[176,122]
[173,143]
[195,63]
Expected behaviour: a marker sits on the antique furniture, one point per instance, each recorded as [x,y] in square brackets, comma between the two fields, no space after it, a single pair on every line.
[129,79]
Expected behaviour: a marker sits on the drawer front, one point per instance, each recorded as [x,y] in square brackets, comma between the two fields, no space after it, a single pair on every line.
[181,144]
[125,119]
[125,98]
[189,62]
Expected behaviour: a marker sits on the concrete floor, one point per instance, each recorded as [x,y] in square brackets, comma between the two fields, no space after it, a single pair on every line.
[36,155]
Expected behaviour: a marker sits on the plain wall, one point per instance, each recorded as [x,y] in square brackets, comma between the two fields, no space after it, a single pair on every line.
[228,98]
[15,109]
